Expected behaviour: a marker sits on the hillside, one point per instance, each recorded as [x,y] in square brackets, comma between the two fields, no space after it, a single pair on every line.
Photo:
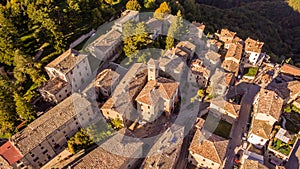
[274,22]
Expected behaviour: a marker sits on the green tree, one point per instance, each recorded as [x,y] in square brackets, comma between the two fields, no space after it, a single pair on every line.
[149,3]
[81,140]
[201,93]
[163,10]
[135,41]
[174,31]
[24,109]
[117,123]
[7,107]
[133,5]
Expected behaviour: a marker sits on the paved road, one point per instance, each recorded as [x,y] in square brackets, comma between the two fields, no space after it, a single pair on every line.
[294,162]
[240,125]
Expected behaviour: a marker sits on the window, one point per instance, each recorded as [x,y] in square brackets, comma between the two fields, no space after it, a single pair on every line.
[59,96]
[71,72]
[44,152]
[79,73]
[85,68]
[203,159]
[42,148]
[32,155]
[35,160]
[66,91]
[212,164]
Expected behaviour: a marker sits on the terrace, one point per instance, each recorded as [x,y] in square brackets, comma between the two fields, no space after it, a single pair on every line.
[282,141]
[251,72]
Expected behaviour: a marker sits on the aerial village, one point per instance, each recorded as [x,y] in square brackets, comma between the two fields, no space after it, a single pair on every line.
[213,101]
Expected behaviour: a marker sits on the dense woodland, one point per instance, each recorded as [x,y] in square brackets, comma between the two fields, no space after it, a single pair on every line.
[28,26]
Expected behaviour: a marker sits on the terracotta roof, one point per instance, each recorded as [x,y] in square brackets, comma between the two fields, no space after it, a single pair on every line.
[67,61]
[118,151]
[154,24]
[231,66]
[126,16]
[104,42]
[253,45]
[165,88]
[10,153]
[234,51]
[228,78]
[214,151]
[53,86]
[186,46]
[290,69]
[252,164]
[269,103]
[221,78]
[227,36]
[227,106]
[198,68]
[37,131]
[286,89]
[166,159]
[212,55]
[100,158]
[127,89]
[261,128]
[106,78]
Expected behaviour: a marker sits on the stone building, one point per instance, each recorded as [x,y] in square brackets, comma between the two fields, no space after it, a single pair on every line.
[47,136]
[107,46]
[199,73]
[205,153]
[227,37]
[70,67]
[233,57]
[253,50]
[121,103]
[226,110]
[159,95]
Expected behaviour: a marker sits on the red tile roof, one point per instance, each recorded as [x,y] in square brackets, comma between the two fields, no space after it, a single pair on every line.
[10,153]
[290,69]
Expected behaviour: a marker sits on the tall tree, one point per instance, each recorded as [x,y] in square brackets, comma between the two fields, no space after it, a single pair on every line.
[175,30]
[24,109]
[133,5]
[136,41]
[163,10]
[7,107]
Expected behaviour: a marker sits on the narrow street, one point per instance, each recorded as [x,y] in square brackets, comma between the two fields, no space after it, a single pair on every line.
[184,152]
[240,125]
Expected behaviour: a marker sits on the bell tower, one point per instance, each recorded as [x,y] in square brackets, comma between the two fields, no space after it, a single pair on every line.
[152,69]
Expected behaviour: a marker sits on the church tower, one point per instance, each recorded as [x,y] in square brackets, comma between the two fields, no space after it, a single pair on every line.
[152,69]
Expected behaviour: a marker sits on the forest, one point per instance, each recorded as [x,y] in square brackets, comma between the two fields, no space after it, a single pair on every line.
[29,27]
